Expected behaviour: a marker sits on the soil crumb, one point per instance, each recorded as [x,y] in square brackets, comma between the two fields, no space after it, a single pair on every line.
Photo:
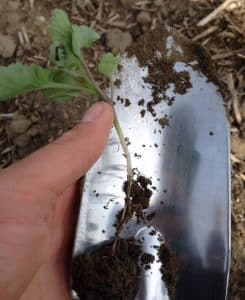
[141,102]
[117,83]
[150,216]
[140,197]
[147,258]
[164,121]
[142,113]
[127,102]
[99,275]
[168,269]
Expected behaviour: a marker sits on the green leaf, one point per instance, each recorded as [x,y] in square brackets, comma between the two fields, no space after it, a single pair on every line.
[57,55]
[19,79]
[82,37]
[59,95]
[109,64]
[65,53]
[63,94]
[65,86]
[60,28]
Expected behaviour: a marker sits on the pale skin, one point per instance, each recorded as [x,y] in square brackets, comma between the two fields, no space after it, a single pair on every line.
[39,201]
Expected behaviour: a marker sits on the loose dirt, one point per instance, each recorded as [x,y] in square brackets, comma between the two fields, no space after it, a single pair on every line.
[168,270]
[99,275]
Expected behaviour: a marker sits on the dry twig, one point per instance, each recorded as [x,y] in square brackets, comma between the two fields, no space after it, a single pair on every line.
[214,13]
[100,10]
[233,92]
[205,33]
[31,3]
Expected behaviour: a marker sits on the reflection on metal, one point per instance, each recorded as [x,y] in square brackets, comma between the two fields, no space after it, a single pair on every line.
[188,162]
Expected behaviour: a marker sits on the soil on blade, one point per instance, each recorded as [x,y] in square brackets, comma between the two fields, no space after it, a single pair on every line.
[99,275]
[168,270]
[139,199]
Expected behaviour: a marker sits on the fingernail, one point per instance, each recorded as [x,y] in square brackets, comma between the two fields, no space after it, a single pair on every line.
[94,112]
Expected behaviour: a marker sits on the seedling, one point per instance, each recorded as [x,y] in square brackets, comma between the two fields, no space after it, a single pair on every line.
[68,75]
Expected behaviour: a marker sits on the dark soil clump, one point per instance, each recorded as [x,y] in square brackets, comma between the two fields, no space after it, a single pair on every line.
[141,102]
[127,102]
[164,121]
[140,197]
[99,275]
[147,258]
[139,200]
[142,113]
[117,83]
[168,270]
[150,216]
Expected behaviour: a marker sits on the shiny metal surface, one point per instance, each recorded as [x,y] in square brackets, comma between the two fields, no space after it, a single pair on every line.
[188,162]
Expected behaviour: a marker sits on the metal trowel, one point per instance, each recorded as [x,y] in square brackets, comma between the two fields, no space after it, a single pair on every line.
[188,163]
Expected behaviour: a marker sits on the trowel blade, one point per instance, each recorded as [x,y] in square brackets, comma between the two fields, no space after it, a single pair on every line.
[188,163]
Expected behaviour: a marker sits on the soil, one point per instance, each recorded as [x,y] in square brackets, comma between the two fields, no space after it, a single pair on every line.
[139,200]
[168,270]
[99,275]
[147,258]
[24,30]
[140,197]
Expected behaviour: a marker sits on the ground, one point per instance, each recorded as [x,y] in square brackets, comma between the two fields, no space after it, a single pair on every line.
[28,122]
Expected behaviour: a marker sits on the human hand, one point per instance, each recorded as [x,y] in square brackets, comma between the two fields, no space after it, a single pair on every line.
[39,201]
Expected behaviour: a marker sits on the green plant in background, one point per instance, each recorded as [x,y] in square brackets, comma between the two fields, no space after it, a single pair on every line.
[68,76]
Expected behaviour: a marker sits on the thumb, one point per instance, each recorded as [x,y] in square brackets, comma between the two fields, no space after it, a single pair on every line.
[61,163]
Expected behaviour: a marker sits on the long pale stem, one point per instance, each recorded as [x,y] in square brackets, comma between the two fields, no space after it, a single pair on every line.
[117,127]
[129,163]
[125,150]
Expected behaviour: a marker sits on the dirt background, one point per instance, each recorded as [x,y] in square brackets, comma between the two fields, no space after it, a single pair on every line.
[27,123]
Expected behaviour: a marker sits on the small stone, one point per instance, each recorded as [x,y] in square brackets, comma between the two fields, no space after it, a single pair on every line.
[20,124]
[22,140]
[144,18]
[118,40]
[40,20]
[7,46]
